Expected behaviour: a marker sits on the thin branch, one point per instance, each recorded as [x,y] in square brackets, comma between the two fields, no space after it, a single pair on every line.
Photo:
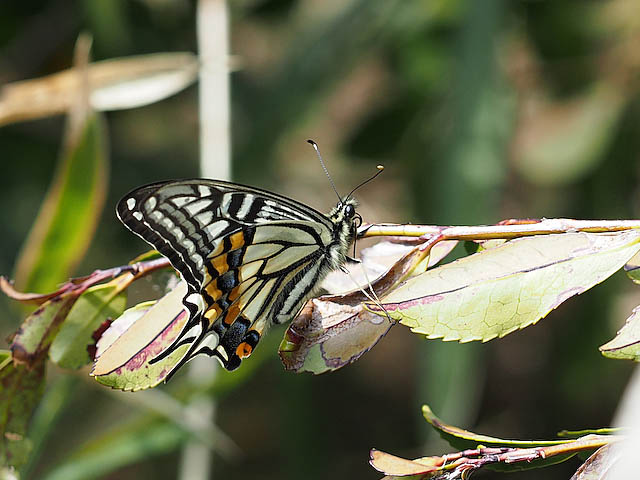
[504,230]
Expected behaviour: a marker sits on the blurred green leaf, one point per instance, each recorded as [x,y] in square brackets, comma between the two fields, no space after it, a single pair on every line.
[108,452]
[20,391]
[58,396]
[562,142]
[68,216]
[115,84]
[509,287]
[589,431]
[97,304]
[307,75]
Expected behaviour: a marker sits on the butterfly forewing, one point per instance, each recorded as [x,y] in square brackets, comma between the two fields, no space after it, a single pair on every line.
[249,257]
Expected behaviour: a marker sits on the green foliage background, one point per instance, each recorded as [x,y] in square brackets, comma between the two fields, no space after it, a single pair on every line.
[480,111]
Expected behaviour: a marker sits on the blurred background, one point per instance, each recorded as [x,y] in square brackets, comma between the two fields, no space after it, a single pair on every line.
[480,111]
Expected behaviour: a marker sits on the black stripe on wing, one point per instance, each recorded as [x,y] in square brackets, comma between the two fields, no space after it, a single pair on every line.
[179,222]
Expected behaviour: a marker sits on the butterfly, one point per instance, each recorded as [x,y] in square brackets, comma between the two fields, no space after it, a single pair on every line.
[250,258]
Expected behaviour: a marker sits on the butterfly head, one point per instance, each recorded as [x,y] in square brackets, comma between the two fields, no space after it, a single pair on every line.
[345,212]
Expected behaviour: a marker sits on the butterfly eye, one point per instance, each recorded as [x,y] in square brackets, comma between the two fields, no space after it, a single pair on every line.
[349,210]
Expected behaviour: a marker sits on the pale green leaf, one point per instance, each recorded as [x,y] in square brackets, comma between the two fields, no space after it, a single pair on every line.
[123,362]
[97,304]
[632,268]
[495,292]
[626,344]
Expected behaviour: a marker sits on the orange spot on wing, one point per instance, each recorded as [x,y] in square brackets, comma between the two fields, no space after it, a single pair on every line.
[244,350]
[237,240]
[220,264]
[233,294]
[232,314]
[213,290]
[213,313]
[218,250]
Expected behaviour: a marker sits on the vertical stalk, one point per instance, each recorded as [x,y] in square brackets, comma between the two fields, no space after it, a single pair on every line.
[213,42]
[215,160]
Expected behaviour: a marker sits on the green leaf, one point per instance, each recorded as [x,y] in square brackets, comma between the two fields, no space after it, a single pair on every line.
[97,304]
[281,105]
[34,337]
[626,344]
[632,268]
[590,431]
[563,142]
[69,213]
[137,337]
[495,292]
[20,391]
[464,439]
[118,448]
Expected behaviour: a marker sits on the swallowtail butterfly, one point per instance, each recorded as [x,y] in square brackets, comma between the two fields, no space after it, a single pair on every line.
[250,258]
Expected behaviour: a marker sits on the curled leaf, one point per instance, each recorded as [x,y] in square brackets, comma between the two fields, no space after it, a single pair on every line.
[114,84]
[401,467]
[376,261]
[626,344]
[326,336]
[334,330]
[597,466]
[632,268]
[125,359]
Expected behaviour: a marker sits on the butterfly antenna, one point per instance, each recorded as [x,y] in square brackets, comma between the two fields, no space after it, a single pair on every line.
[315,146]
[373,296]
[380,170]
[376,300]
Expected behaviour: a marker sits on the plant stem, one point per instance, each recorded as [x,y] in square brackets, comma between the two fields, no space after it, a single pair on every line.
[504,230]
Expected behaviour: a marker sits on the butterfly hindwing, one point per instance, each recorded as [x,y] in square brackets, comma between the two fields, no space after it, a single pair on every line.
[249,257]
